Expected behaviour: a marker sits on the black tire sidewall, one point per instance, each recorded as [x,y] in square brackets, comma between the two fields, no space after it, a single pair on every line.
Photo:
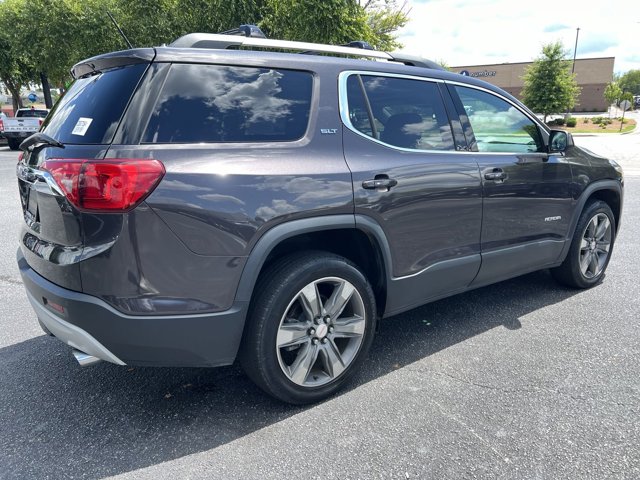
[589,212]
[274,296]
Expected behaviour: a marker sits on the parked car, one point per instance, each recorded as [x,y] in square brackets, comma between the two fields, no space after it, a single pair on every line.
[191,204]
[2,117]
[26,122]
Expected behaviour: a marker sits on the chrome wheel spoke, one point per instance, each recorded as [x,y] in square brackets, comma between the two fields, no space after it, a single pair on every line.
[349,327]
[311,301]
[332,360]
[584,262]
[602,228]
[341,295]
[291,334]
[301,367]
[601,259]
[591,228]
[593,264]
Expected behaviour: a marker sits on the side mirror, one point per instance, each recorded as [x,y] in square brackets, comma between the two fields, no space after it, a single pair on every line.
[559,141]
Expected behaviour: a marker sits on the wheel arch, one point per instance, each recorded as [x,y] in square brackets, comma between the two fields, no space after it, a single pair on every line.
[357,238]
[609,191]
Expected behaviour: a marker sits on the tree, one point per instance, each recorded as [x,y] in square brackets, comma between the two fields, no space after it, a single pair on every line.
[335,21]
[385,17]
[612,93]
[549,86]
[16,67]
[40,40]
[630,82]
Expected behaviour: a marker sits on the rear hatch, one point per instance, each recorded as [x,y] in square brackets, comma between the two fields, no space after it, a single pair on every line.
[71,196]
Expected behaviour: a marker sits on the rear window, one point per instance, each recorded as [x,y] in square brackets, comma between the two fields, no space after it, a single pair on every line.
[90,111]
[216,103]
[34,113]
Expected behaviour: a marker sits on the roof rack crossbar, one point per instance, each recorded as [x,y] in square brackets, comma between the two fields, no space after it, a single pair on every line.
[246,30]
[359,44]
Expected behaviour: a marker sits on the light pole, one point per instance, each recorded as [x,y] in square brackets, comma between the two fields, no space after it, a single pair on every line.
[575,50]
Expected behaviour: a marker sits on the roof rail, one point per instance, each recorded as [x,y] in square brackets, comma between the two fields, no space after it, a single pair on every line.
[216,40]
[222,41]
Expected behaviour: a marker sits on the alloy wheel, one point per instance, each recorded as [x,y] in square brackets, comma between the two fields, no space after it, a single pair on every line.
[595,246]
[321,332]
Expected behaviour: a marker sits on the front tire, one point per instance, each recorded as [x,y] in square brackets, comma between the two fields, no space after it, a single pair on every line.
[590,249]
[310,326]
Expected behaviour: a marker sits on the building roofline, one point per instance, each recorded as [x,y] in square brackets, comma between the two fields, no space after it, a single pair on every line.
[525,63]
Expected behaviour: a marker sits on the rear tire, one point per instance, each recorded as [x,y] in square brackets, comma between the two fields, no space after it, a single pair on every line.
[590,249]
[14,144]
[310,326]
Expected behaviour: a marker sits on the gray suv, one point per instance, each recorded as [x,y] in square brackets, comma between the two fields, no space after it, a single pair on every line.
[211,200]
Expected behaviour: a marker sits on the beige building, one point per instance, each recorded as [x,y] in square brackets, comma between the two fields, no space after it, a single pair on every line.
[592,75]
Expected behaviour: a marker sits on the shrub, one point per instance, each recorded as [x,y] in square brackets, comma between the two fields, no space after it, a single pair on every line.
[571,122]
[585,120]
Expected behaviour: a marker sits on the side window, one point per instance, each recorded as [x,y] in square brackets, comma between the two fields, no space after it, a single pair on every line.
[497,125]
[217,103]
[404,113]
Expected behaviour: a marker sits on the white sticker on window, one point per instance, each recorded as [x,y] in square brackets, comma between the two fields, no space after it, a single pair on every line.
[82,126]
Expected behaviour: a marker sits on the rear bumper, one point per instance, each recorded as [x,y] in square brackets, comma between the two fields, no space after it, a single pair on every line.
[94,327]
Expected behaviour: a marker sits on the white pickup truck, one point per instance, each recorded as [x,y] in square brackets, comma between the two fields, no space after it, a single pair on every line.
[26,122]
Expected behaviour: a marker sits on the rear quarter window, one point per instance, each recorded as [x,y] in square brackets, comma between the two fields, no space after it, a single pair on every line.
[217,103]
[89,112]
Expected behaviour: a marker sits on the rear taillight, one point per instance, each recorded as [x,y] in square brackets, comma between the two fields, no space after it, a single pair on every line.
[1,126]
[110,185]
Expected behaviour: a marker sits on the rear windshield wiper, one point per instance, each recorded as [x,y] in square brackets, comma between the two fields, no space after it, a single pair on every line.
[39,140]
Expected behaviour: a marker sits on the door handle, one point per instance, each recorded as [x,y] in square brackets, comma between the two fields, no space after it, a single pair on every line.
[382,184]
[497,175]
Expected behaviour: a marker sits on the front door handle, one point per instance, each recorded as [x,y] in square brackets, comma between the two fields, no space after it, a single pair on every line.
[382,184]
[496,175]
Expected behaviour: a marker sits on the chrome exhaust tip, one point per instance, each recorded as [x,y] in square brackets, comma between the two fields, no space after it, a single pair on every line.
[84,359]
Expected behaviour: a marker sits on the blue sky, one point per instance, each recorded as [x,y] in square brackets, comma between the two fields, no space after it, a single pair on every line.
[475,32]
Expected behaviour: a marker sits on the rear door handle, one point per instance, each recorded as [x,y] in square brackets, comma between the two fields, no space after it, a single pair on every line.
[496,175]
[380,184]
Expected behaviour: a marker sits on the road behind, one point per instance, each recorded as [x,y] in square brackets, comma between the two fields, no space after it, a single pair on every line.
[524,379]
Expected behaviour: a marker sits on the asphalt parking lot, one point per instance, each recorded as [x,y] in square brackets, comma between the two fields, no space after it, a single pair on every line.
[523,379]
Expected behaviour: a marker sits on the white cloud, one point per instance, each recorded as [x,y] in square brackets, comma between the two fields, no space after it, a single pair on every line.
[476,32]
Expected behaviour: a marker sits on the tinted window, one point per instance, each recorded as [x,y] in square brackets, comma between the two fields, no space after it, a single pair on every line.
[90,111]
[405,113]
[32,113]
[213,103]
[497,125]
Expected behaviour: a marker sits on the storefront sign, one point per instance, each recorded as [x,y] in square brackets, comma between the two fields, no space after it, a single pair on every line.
[483,73]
